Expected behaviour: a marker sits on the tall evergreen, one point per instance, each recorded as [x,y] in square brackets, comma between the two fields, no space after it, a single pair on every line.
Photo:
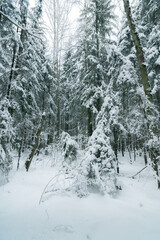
[8,39]
[149,28]
[92,53]
[27,78]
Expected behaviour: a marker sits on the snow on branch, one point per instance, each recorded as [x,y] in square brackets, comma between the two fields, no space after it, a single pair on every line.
[15,69]
[17,25]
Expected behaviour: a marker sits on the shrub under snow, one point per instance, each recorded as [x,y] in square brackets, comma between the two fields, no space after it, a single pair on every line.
[69,147]
[100,163]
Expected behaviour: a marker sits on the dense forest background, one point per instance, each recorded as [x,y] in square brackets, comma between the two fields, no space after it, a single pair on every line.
[98,91]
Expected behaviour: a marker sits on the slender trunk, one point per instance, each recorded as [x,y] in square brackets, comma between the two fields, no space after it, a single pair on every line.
[90,127]
[145,156]
[89,111]
[115,147]
[0,10]
[11,73]
[134,147]
[24,11]
[28,162]
[85,42]
[98,79]
[139,51]
[19,153]
[67,121]
[58,101]
[122,146]
[129,148]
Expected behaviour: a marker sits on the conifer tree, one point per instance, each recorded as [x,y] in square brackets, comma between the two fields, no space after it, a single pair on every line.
[150,112]
[95,27]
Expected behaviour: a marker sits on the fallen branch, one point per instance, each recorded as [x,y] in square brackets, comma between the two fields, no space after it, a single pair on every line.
[17,25]
[139,172]
[47,186]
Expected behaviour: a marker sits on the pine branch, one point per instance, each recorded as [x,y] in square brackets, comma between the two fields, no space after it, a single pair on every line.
[17,25]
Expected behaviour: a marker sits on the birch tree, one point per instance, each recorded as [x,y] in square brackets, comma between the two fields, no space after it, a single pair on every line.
[57,12]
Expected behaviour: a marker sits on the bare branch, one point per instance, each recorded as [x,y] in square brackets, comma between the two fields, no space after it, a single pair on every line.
[139,172]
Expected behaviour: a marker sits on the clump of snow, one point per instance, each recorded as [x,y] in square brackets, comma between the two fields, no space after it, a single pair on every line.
[99,161]
[69,147]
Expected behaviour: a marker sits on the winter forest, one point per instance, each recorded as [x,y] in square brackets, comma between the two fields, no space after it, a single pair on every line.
[79,119]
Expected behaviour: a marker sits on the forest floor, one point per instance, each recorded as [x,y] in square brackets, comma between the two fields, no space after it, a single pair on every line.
[134,214]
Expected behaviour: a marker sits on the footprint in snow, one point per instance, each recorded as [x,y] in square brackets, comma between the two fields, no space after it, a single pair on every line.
[63,228]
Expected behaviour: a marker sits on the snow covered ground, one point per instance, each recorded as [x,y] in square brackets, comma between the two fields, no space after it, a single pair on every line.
[134,214]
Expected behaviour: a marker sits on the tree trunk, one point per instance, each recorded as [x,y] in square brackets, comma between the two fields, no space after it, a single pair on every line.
[90,126]
[98,77]
[144,77]
[145,156]
[19,153]
[28,162]
[122,146]
[89,111]
[11,73]
[58,102]
[115,147]
[24,11]
[0,10]
[139,51]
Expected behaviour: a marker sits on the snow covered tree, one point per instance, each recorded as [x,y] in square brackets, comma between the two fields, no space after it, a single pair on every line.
[149,30]
[69,148]
[26,76]
[94,44]
[100,159]
[73,114]
[149,110]
[8,39]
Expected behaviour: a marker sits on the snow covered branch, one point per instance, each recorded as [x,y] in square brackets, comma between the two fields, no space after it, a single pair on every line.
[17,25]
[16,69]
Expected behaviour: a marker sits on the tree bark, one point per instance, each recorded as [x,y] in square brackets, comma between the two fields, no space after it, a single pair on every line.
[90,126]
[98,79]
[28,162]
[58,124]
[11,72]
[115,147]
[19,153]
[139,51]
[89,111]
